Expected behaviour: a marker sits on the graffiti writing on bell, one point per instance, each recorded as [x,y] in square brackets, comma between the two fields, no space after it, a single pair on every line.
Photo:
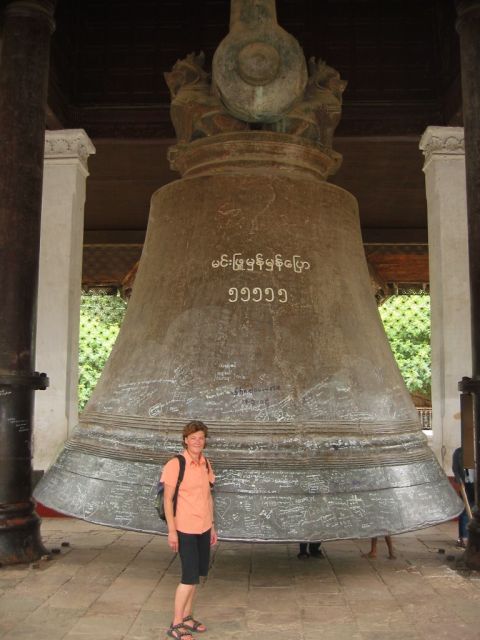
[236,262]
[244,391]
[257,294]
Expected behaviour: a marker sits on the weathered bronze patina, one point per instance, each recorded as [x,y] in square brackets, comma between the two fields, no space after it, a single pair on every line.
[253,311]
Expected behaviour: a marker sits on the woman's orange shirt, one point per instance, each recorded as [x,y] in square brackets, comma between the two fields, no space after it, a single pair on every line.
[193,513]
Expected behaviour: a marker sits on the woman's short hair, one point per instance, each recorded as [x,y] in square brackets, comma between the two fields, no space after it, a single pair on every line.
[193,427]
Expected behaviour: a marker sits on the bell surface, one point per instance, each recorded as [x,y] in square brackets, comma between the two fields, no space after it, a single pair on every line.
[253,311]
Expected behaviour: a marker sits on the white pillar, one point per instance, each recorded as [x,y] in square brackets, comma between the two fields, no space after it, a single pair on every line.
[444,170]
[59,290]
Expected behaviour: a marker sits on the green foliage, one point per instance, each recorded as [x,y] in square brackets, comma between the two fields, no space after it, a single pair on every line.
[407,324]
[100,320]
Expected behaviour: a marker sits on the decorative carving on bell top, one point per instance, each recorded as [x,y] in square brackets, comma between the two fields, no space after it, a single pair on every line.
[195,111]
[317,115]
[260,81]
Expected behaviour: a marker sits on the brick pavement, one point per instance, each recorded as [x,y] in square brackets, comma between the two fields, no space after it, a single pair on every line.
[118,585]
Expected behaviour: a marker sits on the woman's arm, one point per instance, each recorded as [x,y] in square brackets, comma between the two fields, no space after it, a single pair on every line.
[168,508]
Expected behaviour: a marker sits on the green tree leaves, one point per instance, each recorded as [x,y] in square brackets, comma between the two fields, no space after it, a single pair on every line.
[100,320]
[407,324]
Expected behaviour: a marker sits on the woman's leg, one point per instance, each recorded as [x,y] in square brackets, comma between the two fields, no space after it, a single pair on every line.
[373,548]
[188,608]
[314,549]
[203,553]
[188,552]
[462,526]
[391,553]
[183,595]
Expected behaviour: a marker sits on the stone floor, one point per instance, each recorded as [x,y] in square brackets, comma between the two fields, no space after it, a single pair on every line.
[107,584]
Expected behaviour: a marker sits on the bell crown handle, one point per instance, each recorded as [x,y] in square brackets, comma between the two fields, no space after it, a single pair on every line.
[259,70]
[249,14]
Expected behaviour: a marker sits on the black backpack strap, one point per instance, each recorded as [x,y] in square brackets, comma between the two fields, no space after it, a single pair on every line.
[209,468]
[181,473]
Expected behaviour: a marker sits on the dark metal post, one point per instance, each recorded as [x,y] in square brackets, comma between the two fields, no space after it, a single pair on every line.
[24,61]
[468,27]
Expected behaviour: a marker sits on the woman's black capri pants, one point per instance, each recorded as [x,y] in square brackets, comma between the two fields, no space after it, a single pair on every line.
[194,551]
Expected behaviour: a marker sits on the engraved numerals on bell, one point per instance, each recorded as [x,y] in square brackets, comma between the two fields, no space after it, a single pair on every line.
[260,263]
[257,294]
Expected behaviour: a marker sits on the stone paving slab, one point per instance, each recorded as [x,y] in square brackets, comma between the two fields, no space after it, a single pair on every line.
[109,584]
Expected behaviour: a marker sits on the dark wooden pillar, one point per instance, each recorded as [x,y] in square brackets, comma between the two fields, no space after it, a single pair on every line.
[468,27]
[24,61]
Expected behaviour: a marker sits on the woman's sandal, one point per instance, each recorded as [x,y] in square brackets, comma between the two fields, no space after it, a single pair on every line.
[179,631]
[195,625]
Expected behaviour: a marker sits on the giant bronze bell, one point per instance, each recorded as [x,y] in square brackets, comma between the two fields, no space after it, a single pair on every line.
[252,310]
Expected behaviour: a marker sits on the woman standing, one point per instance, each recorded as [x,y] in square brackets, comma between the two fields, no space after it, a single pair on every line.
[191,529]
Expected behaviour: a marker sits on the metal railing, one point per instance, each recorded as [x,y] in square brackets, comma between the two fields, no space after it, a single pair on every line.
[425,417]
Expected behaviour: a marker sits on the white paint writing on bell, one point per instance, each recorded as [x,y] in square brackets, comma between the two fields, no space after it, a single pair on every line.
[256,294]
[240,391]
[225,370]
[236,262]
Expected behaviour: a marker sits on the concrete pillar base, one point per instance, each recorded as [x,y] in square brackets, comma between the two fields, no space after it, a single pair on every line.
[471,556]
[20,540]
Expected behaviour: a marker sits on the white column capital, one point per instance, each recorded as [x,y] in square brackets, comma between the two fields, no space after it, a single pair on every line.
[442,141]
[65,144]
